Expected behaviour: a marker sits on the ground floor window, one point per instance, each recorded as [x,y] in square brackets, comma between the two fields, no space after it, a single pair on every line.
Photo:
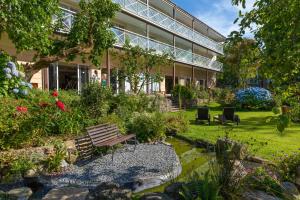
[67,77]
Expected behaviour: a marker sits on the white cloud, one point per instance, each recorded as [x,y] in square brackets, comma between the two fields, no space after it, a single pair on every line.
[222,15]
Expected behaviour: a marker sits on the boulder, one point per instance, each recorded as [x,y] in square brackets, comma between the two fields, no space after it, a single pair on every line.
[156,196]
[258,195]
[173,190]
[67,193]
[109,191]
[290,190]
[22,193]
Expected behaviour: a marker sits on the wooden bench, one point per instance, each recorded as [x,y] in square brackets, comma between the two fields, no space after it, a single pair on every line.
[103,135]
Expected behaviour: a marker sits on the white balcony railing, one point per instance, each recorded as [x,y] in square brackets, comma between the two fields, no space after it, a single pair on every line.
[67,20]
[151,14]
[180,55]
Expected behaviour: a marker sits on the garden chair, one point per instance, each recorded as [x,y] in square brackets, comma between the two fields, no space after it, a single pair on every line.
[228,115]
[203,114]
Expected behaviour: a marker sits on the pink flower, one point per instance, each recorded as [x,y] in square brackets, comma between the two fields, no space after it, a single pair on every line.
[22,109]
[60,105]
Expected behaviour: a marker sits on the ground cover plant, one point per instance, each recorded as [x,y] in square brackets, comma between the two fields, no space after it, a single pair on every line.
[260,135]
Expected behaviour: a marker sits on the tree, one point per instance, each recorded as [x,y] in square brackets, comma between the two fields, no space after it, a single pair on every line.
[241,61]
[141,66]
[276,28]
[29,25]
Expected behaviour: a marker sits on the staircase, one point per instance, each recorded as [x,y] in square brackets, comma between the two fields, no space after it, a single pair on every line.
[174,105]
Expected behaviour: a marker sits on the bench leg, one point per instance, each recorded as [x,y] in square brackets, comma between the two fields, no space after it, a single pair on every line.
[112,154]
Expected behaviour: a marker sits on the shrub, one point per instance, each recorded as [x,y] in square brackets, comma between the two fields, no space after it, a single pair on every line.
[11,78]
[254,97]
[53,162]
[176,124]
[223,96]
[147,126]
[185,93]
[288,165]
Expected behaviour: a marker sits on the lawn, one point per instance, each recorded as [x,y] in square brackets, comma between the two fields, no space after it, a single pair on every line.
[261,136]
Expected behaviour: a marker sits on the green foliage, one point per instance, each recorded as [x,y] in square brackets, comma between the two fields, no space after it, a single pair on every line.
[288,165]
[147,126]
[96,99]
[11,79]
[29,25]
[224,96]
[53,162]
[21,165]
[278,40]
[261,180]
[184,92]
[138,65]
[176,124]
[241,61]
[201,187]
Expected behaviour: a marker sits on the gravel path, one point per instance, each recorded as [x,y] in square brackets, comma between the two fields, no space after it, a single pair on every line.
[148,166]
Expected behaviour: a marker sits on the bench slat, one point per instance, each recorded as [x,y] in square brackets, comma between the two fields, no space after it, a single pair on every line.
[103,132]
[101,129]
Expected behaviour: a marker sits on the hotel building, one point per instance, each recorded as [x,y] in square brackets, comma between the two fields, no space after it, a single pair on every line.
[154,24]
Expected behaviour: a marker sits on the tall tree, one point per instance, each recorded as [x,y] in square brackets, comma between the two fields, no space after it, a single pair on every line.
[276,27]
[241,62]
[141,66]
[29,25]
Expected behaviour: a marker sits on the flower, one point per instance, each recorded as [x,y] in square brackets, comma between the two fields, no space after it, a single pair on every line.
[8,76]
[24,92]
[15,73]
[22,83]
[21,74]
[29,85]
[16,90]
[7,70]
[22,109]
[55,93]
[60,105]
[12,65]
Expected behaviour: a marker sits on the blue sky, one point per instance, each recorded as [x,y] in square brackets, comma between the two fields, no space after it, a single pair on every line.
[219,14]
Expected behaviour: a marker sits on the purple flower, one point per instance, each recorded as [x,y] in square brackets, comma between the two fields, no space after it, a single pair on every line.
[7,70]
[15,73]
[12,65]
[16,90]
[29,85]
[24,92]
[8,76]
[23,83]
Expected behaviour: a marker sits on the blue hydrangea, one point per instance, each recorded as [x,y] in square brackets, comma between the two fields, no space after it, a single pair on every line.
[15,73]
[12,65]
[16,90]
[7,70]
[24,92]
[29,85]
[23,83]
[254,96]
[8,76]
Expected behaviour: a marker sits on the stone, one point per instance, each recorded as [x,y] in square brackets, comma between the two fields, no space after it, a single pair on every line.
[155,196]
[258,195]
[67,193]
[228,149]
[64,164]
[173,190]
[22,193]
[290,190]
[109,191]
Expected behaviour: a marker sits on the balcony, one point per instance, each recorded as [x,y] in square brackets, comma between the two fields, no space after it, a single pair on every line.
[150,14]
[180,55]
[67,20]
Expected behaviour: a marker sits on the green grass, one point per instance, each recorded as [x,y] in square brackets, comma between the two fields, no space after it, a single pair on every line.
[261,136]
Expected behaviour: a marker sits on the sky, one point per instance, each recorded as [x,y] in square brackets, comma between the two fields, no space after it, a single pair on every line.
[218,14]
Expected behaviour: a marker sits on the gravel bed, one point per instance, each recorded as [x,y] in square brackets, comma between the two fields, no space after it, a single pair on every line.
[149,165]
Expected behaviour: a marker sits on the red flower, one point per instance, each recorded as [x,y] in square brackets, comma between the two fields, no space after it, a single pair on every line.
[55,93]
[22,109]
[60,105]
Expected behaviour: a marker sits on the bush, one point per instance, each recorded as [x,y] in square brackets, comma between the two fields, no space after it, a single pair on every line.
[254,97]
[288,165]
[224,96]
[11,78]
[53,162]
[176,124]
[147,126]
[185,93]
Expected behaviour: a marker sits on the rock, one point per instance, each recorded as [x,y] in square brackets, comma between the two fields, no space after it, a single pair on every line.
[173,190]
[22,193]
[258,195]
[67,193]
[64,164]
[109,191]
[155,196]
[290,190]
[228,149]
